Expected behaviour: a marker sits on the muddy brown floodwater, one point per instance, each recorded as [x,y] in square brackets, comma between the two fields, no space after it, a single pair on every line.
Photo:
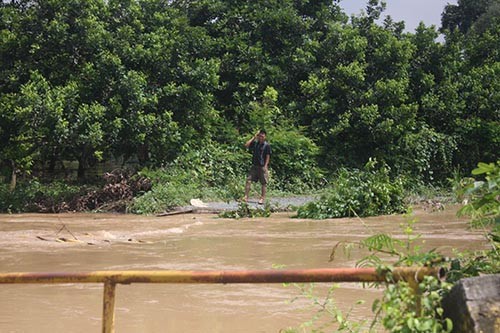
[190,242]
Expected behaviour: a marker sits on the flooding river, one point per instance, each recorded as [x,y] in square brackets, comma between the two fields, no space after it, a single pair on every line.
[28,243]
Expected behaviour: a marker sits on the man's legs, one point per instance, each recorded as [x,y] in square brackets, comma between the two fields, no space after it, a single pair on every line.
[257,174]
[247,189]
[263,194]
[264,178]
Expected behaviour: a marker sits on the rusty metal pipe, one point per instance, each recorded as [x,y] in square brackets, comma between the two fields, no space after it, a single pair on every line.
[245,276]
[110,278]
[108,307]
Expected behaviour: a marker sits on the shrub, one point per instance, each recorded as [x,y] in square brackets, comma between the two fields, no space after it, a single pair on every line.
[213,172]
[245,210]
[401,313]
[34,196]
[483,207]
[293,161]
[426,154]
[365,192]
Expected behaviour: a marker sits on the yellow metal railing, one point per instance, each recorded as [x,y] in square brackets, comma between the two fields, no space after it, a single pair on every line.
[112,278]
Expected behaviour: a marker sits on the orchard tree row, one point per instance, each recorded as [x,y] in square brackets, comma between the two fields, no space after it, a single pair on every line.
[87,80]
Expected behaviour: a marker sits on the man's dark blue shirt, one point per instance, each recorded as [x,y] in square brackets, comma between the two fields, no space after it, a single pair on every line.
[260,151]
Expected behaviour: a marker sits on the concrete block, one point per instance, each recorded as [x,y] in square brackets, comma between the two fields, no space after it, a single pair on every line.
[474,305]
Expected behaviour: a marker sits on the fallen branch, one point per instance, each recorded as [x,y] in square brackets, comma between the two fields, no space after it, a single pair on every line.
[63,228]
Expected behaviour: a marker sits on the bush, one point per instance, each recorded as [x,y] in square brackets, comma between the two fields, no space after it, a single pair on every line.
[366,192]
[401,313]
[426,154]
[212,172]
[34,196]
[293,162]
[483,207]
[245,210]
[163,197]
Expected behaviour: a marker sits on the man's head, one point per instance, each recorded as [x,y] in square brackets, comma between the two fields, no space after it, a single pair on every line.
[262,135]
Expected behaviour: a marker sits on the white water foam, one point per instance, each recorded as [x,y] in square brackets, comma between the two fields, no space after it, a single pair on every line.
[174,230]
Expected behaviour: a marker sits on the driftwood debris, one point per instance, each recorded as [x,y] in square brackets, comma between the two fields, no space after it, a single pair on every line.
[197,206]
[191,210]
[176,212]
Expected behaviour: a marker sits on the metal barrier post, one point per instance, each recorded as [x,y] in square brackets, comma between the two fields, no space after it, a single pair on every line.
[108,311]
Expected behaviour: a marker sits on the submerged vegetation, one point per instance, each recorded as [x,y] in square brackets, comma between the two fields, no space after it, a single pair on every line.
[244,210]
[367,192]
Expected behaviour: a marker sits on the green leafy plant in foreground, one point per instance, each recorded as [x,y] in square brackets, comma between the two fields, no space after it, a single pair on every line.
[405,306]
[405,309]
[482,199]
[328,317]
[483,196]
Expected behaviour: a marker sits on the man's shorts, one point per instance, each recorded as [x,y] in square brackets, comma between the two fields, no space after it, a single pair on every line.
[258,173]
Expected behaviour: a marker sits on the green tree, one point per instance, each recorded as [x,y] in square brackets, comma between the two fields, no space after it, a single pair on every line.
[46,123]
[475,118]
[464,14]
[477,128]
[364,106]
[166,97]
[54,40]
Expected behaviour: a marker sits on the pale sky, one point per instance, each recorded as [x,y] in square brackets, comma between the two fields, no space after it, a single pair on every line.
[410,11]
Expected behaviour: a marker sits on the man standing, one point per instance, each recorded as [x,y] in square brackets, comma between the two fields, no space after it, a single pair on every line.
[260,161]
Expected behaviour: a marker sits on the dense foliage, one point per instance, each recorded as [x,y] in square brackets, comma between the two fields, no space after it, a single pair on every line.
[205,173]
[155,81]
[482,196]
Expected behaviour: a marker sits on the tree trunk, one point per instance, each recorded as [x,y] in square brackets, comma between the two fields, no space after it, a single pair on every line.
[81,169]
[52,165]
[13,176]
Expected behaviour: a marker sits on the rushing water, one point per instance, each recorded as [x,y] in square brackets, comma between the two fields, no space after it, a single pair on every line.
[29,243]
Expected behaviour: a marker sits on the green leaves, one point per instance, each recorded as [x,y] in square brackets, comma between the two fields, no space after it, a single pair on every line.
[149,78]
[483,195]
[402,312]
[245,210]
[358,193]
[485,168]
